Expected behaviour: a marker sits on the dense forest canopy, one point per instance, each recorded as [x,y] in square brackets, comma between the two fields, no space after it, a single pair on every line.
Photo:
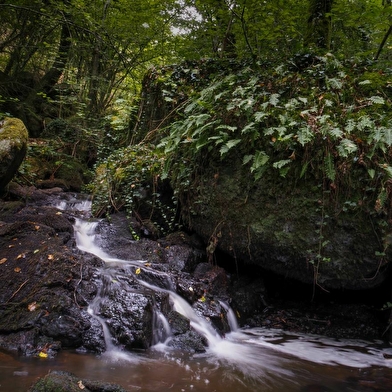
[74,57]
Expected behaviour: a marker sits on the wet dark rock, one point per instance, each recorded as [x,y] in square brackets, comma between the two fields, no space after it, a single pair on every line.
[59,381]
[189,341]
[214,312]
[249,296]
[47,284]
[276,229]
[179,324]
[129,317]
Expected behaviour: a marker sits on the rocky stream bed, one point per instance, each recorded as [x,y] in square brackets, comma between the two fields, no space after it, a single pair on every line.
[48,284]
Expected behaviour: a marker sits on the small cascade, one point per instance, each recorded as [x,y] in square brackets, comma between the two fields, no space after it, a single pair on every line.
[258,353]
[116,275]
[75,204]
[231,318]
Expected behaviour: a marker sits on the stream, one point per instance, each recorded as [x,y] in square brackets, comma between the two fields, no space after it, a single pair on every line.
[242,360]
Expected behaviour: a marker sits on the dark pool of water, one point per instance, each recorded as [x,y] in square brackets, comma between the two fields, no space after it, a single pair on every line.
[249,361]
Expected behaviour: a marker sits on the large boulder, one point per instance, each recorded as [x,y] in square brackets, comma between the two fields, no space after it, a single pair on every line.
[292,228]
[13,147]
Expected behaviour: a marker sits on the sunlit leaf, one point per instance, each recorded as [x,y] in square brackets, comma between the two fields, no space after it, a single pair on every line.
[42,354]
[138,270]
[3,260]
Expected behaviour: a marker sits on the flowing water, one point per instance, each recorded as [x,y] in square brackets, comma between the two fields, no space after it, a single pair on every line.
[244,360]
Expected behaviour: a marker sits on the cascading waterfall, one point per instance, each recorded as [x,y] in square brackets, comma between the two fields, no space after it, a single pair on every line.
[85,235]
[265,356]
[243,360]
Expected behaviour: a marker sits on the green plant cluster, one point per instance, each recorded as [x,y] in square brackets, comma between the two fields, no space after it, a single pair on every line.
[323,120]
[317,119]
[64,152]
[129,179]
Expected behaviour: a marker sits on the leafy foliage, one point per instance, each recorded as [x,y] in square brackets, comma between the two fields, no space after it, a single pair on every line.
[129,179]
[274,121]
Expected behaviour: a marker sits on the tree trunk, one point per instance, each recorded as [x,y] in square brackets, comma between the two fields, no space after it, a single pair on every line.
[319,24]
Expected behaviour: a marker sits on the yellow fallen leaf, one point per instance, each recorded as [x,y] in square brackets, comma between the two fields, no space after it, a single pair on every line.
[137,271]
[59,213]
[3,260]
[17,269]
[80,384]
[36,251]
[42,354]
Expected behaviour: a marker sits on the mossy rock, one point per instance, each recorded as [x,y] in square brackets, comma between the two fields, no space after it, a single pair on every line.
[58,381]
[292,228]
[13,147]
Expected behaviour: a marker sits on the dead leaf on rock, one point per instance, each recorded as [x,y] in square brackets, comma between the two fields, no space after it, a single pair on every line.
[31,307]
[3,260]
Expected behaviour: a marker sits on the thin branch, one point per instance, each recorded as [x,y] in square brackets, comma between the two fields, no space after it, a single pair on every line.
[384,40]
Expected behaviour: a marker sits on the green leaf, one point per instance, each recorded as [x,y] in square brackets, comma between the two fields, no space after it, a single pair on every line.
[247,159]
[280,164]
[377,100]
[346,147]
[387,136]
[259,159]
[227,146]
[248,128]
[274,99]
[305,135]
[371,173]
[259,116]
[336,133]
[329,167]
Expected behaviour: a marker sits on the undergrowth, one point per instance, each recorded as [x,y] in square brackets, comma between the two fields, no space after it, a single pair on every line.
[327,121]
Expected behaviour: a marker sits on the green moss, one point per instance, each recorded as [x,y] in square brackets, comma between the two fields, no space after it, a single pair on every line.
[13,133]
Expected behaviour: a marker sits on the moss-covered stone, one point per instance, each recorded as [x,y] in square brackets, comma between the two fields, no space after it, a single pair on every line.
[58,381]
[13,147]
